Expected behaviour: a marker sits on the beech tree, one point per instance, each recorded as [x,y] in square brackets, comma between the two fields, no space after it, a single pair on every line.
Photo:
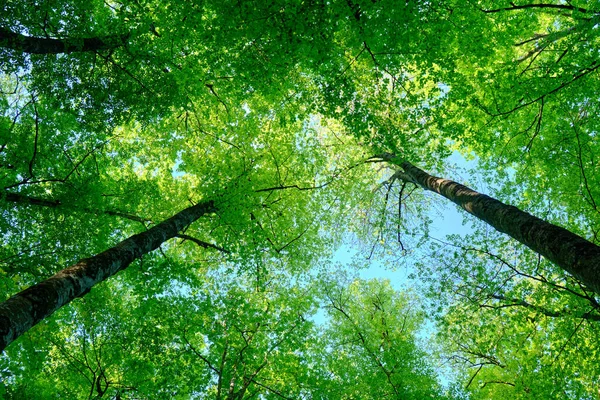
[569,251]
[25,309]
[373,327]
[117,116]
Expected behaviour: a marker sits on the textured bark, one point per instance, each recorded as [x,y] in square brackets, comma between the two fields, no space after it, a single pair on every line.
[569,251]
[27,308]
[36,45]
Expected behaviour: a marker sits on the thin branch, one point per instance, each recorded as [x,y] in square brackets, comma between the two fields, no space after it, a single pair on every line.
[110,60]
[499,382]
[538,125]
[567,341]
[583,72]
[20,198]
[474,375]
[363,340]
[201,130]
[201,243]
[514,7]
[37,133]
[284,187]
[123,215]
[54,203]
[212,90]
[294,239]
[223,359]
[336,174]
[536,36]
[270,389]
[549,313]
[582,169]
[200,356]
[538,278]
[26,181]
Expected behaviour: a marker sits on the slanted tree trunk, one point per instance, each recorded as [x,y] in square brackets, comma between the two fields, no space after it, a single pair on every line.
[27,308]
[569,251]
[36,45]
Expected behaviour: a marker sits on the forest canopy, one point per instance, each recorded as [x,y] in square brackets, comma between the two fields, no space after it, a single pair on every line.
[182,183]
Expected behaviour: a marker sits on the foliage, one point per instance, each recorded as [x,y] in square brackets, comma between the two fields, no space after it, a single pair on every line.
[372,328]
[274,109]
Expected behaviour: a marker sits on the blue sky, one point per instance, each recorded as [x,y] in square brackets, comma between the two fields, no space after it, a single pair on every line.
[447,219]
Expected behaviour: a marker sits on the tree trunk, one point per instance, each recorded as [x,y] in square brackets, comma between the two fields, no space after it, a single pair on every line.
[569,251]
[27,308]
[35,45]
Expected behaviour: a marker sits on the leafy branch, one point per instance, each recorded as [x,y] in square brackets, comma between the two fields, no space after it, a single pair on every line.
[542,6]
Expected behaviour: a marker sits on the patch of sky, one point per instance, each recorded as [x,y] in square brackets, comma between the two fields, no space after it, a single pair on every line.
[175,172]
[446,219]
[444,89]
[246,109]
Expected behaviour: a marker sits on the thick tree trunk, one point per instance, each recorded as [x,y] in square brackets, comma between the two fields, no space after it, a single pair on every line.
[27,308]
[569,251]
[35,45]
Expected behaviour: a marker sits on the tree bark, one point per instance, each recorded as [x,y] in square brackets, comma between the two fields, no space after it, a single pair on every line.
[25,309]
[569,251]
[36,45]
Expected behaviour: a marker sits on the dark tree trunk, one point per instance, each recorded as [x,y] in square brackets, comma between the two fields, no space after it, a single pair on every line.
[569,251]
[27,308]
[35,45]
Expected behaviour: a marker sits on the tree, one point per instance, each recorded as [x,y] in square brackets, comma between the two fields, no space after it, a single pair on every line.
[372,344]
[278,105]
[521,101]
[234,335]
[251,201]
[511,322]
[25,309]
[569,251]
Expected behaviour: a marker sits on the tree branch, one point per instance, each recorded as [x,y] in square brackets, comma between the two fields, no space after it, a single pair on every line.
[514,7]
[541,310]
[202,244]
[24,199]
[36,45]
